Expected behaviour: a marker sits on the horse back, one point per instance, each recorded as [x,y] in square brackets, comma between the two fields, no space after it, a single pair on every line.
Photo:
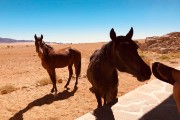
[68,52]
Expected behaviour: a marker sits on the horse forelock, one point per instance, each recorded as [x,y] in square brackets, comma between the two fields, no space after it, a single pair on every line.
[123,41]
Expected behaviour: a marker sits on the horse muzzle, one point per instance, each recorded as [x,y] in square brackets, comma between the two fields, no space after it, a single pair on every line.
[145,74]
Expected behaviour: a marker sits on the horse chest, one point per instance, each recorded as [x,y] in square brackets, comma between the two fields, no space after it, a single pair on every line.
[100,75]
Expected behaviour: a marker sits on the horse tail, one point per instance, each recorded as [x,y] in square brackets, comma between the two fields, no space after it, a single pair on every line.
[76,57]
[79,67]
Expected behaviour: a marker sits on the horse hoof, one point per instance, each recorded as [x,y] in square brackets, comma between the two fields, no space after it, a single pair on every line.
[55,95]
[65,86]
[99,106]
[52,90]
[75,87]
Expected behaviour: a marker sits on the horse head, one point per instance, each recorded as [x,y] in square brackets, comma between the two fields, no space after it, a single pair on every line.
[39,44]
[126,57]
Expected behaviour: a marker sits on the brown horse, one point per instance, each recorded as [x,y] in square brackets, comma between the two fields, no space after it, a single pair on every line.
[52,59]
[120,53]
[171,76]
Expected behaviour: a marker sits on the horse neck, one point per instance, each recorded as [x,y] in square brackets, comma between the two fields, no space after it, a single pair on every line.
[106,58]
[47,49]
[40,54]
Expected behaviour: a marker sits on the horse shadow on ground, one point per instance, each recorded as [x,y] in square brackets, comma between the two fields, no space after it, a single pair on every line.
[47,99]
[167,110]
[105,112]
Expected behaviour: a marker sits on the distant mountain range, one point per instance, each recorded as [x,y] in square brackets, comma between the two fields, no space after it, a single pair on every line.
[9,40]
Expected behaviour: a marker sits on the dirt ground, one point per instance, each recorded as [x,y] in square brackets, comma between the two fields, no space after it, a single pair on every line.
[21,71]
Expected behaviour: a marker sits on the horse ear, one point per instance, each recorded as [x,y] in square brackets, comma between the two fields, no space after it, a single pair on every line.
[41,36]
[113,38]
[112,35]
[130,33]
[35,36]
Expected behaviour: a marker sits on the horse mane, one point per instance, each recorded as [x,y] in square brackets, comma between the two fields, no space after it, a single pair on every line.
[48,46]
[104,52]
[46,49]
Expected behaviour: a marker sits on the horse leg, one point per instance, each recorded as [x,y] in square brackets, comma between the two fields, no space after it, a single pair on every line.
[98,98]
[105,99]
[52,75]
[70,75]
[115,94]
[77,70]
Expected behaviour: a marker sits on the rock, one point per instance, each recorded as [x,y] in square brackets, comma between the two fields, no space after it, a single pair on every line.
[4,92]
[164,50]
[164,44]
[59,81]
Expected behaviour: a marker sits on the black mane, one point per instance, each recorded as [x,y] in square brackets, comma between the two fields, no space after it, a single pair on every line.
[105,51]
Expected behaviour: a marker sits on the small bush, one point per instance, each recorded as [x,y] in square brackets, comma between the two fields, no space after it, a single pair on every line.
[46,81]
[7,89]
[43,82]
[142,54]
[175,55]
[145,58]
[164,57]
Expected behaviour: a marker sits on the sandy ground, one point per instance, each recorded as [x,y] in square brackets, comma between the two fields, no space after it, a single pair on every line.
[21,68]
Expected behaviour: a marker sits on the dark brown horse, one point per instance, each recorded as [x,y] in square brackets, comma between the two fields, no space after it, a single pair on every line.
[52,59]
[120,53]
[169,75]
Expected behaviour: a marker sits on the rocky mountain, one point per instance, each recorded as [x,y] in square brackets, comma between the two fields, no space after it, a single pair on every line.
[162,44]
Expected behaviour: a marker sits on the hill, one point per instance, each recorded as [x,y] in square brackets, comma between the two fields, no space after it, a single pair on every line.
[162,44]
[9,40]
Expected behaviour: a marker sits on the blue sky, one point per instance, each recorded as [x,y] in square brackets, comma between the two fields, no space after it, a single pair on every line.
[74,21]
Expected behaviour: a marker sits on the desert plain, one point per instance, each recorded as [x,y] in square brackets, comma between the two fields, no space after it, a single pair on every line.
[25,85]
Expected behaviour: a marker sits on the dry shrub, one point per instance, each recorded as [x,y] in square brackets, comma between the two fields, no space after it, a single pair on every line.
[143,55]
[175,55]
[164,57]
[10,46]
[7,89]
[46,81]
[169,56]
[43,82]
